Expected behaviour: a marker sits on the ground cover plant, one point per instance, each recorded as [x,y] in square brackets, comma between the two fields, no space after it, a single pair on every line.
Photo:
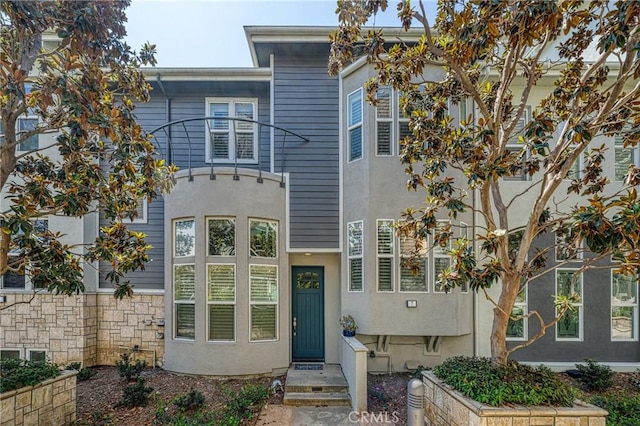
[513,383]
[18,373]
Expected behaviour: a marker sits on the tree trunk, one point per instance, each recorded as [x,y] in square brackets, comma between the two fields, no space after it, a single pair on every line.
[501,314]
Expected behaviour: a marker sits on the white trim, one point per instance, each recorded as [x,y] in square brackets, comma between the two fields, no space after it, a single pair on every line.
[427,265]
[207,219]
[27,353]
[465,226]
[391,256]
[19,132]
[277,243]
[174,303]
[353,67]
[276,304]
[144,218]
[439,253]
[173,236]
[213,302]
[579,305]
[525,321]
[231,131]
[624,304]
[390,120]
[578,253]
[358,256]
[315,250]
[355,126]
[20,352]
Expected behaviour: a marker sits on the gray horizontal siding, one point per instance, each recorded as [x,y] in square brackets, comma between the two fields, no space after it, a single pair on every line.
[306,102]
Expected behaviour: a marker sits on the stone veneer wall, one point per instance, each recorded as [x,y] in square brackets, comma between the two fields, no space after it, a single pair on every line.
[446,407]
[91,328]
[52,402]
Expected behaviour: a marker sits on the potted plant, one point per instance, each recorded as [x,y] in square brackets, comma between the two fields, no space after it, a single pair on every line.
[349,326]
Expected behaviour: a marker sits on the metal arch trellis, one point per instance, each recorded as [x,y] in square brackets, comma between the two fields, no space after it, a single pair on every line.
[167,130]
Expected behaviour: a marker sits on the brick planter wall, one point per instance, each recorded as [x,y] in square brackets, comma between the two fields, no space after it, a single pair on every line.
[446,407]
[52,402]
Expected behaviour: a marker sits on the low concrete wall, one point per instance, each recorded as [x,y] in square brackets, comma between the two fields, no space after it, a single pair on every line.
[52,402]
[353,359]
[446,407]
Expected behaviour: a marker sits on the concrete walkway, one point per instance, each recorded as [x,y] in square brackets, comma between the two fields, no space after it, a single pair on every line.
[280,415]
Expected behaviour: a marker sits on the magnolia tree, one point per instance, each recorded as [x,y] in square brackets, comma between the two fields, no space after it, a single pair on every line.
[571,68]
[70,141]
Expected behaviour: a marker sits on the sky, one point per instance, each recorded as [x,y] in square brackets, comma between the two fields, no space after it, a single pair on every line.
[209,33]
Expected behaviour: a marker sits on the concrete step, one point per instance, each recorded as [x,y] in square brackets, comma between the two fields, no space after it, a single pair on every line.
[318,399]
[317,388]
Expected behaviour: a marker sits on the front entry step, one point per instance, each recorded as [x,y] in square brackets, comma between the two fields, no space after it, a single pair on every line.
[316,386]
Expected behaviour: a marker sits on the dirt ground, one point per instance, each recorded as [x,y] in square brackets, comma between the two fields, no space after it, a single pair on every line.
[98,395]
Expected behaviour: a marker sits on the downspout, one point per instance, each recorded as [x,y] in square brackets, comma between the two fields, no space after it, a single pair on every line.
[167,114]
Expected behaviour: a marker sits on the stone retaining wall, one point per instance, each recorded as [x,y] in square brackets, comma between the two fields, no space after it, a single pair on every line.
[446,407]
[90,328]
[52,402]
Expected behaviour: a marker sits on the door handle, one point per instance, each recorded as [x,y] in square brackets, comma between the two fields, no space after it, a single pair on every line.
[295,325]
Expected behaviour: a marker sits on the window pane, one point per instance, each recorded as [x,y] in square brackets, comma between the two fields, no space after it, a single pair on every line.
[220,145]
[308,280]
[26,125]
[10,354]
[219,110]
[221,283]
[404,130]
[515,328]
[222,237]
[355,108]
[385,237]
[264,238]
[383,108]
[244,110]
[565,286]
[624,288]
[569,325]
[185,238]
[355,274]
[244,145]
[622,322]
[383,142]
[263,322]
[411,282]
[264,283]
[355,143]
[184,282]
[355,238]
[13,280]
[38,356]
[440,265]
[185,321]
[222,322]
[385,273]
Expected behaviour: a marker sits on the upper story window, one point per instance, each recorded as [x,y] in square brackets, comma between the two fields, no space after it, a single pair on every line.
[384,122]
[184,244]
[385,250]
[516,147]
[13,279]
[231,140]
[624,157]
[25,125]
[413,271]
[263,238]
[354,124]
[221,236]
[355,240]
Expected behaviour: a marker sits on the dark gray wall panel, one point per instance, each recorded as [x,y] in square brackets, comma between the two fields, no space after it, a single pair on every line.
[306,102]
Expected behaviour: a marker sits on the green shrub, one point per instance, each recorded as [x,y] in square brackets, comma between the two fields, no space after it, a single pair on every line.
[135,395]
[83,373]
[128,369]
[245,403]
[18,373]
[595,377]
[624,410]
[418,373]
[191,401]
[514,383]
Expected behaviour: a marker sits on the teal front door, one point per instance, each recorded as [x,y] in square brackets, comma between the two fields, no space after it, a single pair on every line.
[307,313]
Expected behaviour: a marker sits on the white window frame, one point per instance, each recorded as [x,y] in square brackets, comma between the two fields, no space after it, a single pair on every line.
[390,256]
[232,129]
[561,244]
[182,302]
[271,221]
[426,264]
[524,305]
[579,305]
[29,353]
[28,284]
[19,350]
[439,253]
[262,302]
[19,132]
[175,221]
[390,120]
[400,119]
[235,234]
[356,254]
[143,212]
[352,125]
[225,302]
[618,146]
[631,303]
[514,146]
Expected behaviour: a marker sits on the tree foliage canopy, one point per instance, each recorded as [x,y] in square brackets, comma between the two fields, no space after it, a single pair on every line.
[70,141]
[572,68]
